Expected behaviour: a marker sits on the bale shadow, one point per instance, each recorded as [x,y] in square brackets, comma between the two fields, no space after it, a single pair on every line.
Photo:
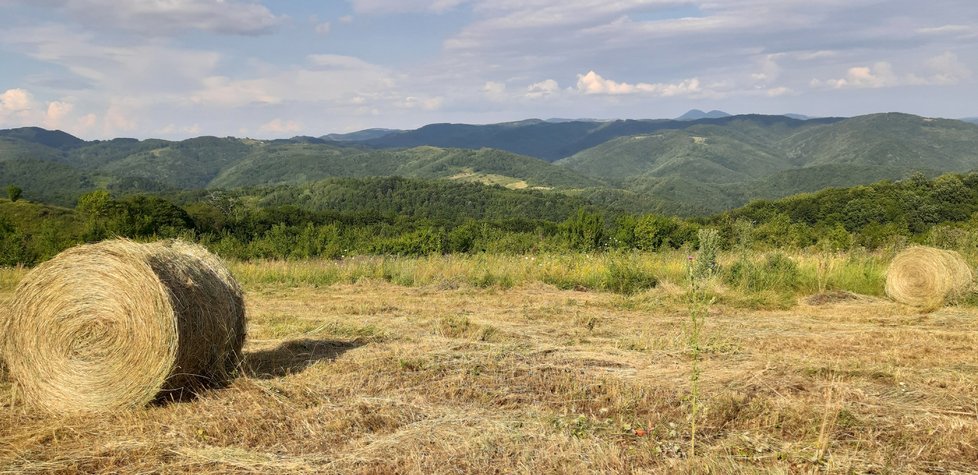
[288,358]
[293,357]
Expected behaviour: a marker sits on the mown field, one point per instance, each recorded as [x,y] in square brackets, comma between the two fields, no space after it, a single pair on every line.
[553,364]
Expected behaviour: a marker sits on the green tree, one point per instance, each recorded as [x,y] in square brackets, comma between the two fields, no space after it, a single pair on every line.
[652,232]
[95,204]
[584,231]
[14,192]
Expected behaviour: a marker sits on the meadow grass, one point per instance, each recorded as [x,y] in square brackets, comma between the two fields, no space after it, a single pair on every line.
[755,280]
[764,280]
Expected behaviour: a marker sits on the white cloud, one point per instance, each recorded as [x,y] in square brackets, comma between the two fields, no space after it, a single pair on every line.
[402,6]
[494,90]
[323,28]
[324,78]
[119,118]
[947,68]
[225,91]
[816,55]
[16,101]
[87,122]
[768,69]
[56,114]
[944,69]
[423,103]
[181,130]
[946,29]
[19,108]
[593,83]
[131,70]
[338,62]
[163,17]
[542,89]
[877,75]
[279,126]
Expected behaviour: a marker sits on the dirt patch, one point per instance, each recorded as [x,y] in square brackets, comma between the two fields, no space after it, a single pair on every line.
[831,297]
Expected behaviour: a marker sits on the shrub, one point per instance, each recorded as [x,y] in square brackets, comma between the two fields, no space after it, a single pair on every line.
[778,272]
[13,193]
[625,276]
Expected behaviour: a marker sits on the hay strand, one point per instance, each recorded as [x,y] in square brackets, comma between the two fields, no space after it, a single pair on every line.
[928,278]
[117,324]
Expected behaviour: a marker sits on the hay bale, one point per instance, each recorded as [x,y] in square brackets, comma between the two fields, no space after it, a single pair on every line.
[118,324]
[928,278]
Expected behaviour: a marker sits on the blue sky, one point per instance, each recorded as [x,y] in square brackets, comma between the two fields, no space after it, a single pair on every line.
[181,68]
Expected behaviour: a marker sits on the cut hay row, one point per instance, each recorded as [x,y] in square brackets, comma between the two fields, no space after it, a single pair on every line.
[118,324]
[928,278]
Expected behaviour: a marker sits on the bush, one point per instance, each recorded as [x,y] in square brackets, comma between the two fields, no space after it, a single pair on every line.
[13,193]
[778,272]
[625,276]
[584,231]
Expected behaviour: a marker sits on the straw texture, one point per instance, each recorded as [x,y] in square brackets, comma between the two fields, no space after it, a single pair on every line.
[117,324]
[928,278]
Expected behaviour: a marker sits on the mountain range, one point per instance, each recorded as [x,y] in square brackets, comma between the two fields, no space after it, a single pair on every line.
[696,114]
[690,166]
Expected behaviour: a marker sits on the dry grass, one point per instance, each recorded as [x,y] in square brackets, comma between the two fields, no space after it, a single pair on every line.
[374,377]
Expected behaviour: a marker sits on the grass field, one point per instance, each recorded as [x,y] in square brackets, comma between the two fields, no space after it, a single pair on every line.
[550,364]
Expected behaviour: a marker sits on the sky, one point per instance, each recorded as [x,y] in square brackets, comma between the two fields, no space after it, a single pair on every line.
[280,68]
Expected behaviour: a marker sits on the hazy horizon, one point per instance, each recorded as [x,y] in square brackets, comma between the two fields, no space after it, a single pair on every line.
[325,133]
[176,69]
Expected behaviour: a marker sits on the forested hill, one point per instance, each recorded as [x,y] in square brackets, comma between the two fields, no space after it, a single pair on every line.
[688,167]
[55,167]
[708,167]
[552,141]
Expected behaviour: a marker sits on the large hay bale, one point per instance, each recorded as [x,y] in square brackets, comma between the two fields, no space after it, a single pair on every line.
[928,278]
[119,324]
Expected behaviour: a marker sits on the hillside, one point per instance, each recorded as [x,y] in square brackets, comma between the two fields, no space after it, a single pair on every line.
[706,168]
[51,168]
[360,135]
[37,169]
[547,140]
[55,139]
[298,163]
[192,163]
[436,200]
[706,153]
[686,167]
[696,114]
[888,140]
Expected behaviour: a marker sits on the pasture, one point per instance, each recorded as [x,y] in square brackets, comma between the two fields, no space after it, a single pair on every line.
[552,364]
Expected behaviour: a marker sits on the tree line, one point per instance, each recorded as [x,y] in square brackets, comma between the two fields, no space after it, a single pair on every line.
[412,220]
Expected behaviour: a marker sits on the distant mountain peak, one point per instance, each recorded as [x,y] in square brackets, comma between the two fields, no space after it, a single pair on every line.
[360,135]
[51,138]
[696,114]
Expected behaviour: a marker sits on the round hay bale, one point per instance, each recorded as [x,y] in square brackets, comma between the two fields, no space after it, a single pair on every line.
[928,278]
[118,324]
